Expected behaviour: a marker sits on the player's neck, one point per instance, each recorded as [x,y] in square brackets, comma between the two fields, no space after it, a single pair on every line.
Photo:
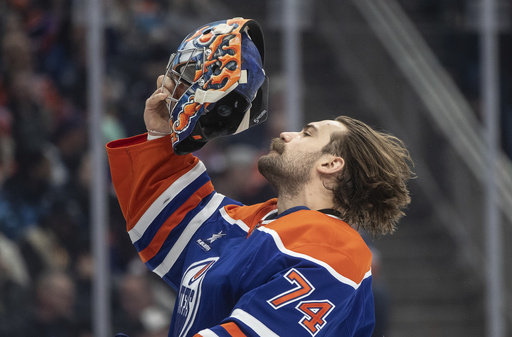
[312,196]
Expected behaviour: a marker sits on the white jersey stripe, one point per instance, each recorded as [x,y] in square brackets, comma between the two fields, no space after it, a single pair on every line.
[330,269]
[163,200]
[207,333]
[187,234]
[232,221]
[253,323]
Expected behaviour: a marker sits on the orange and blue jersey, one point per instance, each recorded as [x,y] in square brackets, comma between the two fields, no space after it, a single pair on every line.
[239,270]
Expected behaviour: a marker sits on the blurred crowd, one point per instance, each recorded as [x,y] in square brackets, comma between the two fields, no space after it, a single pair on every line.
[46,267]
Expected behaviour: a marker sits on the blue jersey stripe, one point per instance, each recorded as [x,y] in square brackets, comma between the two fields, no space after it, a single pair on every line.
[168,210]
[171,240]
[175,234]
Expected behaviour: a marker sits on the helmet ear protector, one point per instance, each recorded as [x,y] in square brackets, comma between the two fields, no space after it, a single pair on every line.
[222,65]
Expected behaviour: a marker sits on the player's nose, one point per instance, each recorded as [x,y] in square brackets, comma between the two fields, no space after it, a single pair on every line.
[287,136]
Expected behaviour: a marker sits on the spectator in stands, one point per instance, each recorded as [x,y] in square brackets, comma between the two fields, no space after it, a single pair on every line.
[140,315]
[14,286]
[52,312]
[22,197]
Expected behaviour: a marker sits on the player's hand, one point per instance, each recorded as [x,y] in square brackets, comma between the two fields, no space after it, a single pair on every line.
[156,113]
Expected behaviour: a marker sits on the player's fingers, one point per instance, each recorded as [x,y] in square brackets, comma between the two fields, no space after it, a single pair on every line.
[161,90]
[156,99]
[168,83]
[159,81]
[156,92]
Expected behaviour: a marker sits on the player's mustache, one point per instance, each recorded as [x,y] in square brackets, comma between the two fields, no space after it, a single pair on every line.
[278,145]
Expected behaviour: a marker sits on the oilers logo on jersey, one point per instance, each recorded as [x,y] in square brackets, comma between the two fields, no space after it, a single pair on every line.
[190,293]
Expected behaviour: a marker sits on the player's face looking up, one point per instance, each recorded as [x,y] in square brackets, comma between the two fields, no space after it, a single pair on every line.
[294,155]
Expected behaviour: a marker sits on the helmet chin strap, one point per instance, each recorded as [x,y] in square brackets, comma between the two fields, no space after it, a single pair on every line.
[244,124]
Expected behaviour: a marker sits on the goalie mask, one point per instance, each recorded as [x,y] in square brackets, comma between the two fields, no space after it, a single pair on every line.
[222,65]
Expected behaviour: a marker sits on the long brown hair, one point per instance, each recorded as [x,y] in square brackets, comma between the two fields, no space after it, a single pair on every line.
[371,190]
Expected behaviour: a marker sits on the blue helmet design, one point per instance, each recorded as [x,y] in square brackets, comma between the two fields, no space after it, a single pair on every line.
[222,65]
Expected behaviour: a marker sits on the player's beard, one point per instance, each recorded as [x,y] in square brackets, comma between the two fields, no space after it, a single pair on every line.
[288,173]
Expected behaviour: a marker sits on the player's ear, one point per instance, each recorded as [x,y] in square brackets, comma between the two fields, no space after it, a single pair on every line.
[331,164]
